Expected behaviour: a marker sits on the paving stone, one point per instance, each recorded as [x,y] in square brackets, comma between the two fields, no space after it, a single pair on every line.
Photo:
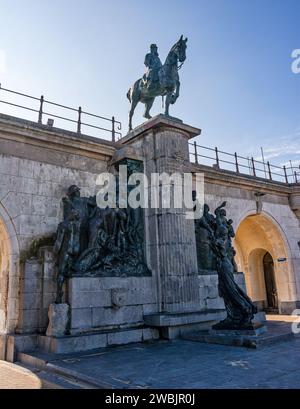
[185,364]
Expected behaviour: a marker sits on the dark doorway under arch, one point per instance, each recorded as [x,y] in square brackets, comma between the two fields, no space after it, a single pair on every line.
[271,290]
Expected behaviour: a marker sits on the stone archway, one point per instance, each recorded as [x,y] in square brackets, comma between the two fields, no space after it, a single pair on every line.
[9,274]
[4,273]
[256,235]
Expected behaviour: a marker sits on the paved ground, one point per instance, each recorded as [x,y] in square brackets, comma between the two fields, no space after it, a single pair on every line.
[14,377]
[186,364]
[180,364]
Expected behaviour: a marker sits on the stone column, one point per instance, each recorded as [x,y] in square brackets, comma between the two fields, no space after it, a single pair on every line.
[170,236]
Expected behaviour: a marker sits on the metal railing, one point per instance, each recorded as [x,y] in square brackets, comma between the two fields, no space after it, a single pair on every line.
[242,165]
[115,129]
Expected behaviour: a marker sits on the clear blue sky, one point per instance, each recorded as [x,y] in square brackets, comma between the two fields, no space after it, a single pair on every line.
[237,83]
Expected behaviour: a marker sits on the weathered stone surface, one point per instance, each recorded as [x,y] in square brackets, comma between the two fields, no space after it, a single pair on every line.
[162,319]
[59,316]
[213,303]
[81,318]
[33,179]
[28,320]
[72,343]
[125,337]
[171,242]
[2,347]
[136,296]
[150,334]
[88,299]
[117,316]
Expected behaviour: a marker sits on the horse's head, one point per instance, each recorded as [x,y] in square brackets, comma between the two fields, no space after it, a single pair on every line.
[180,48]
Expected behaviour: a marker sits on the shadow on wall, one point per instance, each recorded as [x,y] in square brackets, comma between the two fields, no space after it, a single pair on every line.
[258,238]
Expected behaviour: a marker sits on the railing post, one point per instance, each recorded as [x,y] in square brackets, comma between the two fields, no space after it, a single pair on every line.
[113,132]
[196,154]
[79,120]
[217,158]
[253,166]
[296,180]
[41,109]
[236,163]
[285,174]
[269,170]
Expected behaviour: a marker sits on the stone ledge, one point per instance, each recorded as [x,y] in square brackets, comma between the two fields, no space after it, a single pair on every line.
[170,320]
[226,177]
[31,136]
[267,334]
[160,121]
[84,342]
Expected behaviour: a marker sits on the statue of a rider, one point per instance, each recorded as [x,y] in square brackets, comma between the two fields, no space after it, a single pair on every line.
[153,63]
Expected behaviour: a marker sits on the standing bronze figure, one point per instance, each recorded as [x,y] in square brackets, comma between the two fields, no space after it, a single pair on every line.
[160,79]
[214,234]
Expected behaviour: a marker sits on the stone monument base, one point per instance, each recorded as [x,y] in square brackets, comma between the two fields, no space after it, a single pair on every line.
[250,338]
[59,318]
[173,325]
[256,329]
[95,340]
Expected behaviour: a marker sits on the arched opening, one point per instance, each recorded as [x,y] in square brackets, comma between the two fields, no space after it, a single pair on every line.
[9,274]
[263,256]
[270,284]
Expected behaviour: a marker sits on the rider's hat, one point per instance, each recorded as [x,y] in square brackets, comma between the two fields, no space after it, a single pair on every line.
[153,46]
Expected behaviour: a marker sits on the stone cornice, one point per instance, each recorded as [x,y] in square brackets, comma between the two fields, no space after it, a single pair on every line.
[31,133]
[233,179]
[160,121]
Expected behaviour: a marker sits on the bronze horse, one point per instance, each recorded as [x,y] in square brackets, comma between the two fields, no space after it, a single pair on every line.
[168,84]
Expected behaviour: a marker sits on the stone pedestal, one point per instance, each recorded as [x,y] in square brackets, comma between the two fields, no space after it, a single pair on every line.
[256,329]
[251,338]
[59,316]
[175,325]
[170,237]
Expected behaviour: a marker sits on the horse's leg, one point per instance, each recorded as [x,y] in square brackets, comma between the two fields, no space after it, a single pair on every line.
[148,106]
[168,101]
[131,112]
[176,95]
[134,99]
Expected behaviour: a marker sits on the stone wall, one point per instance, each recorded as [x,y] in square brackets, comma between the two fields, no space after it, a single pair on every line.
[110,302]
[31,193]
[37,292]
[275,229]
[37,164]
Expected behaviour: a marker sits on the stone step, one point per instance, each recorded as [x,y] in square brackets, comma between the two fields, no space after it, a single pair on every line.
[55,381]
[276,332]
[94,340]
[56,376]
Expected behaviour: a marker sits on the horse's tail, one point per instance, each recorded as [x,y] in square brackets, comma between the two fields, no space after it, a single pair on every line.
[129,95]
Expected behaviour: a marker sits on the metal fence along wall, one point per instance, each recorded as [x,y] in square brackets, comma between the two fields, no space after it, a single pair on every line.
[243,165]
[41,108]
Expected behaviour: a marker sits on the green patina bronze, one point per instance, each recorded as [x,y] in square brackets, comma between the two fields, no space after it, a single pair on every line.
[215,253]
[91,241]
[159,80]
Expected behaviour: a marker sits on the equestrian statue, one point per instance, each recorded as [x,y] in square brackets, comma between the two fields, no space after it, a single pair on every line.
[159,80]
